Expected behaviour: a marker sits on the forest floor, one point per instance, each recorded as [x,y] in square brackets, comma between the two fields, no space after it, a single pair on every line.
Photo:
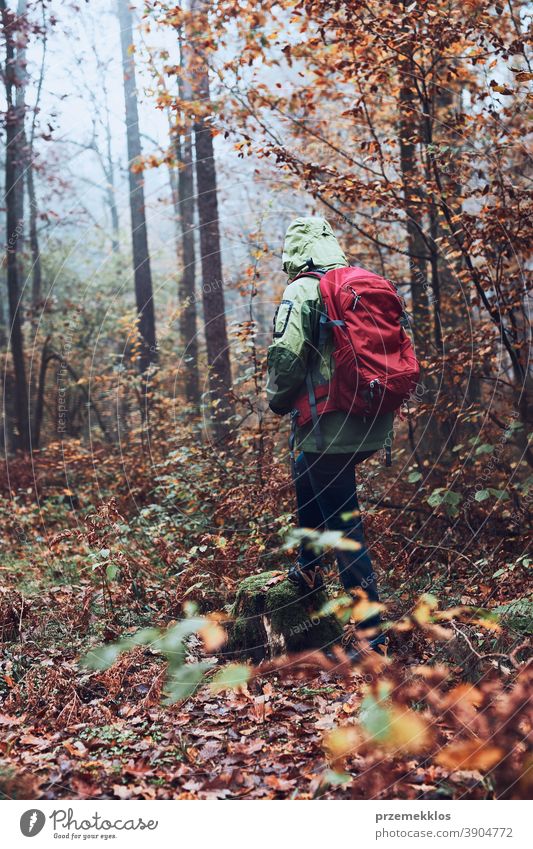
[448,716]
[74,734]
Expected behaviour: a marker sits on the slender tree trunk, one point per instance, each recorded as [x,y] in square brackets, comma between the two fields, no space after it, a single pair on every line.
[37,274]
[36,288]
[417,247]
[111,197]
[6,419]
[3,328]
[141,257]
[186,210]
[452,293]
[187,285]
[20,81]
[420,248]
[216,335]
[37,281]
[28,170]
[14,225]
[111,202]
[39,399]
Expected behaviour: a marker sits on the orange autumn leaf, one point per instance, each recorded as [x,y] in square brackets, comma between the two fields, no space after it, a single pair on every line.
[342,742]
[213,636]
[408,731]
[469,754]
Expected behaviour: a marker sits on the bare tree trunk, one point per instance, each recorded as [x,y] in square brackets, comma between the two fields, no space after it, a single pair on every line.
[186,209]
[417,247]
[37,280]
[420,248]
[20,81]
[14,224]
[445,99]
[28,177]
[6,418]
[111,198]
[39,399]
[141,257]
[37,274]
[453,294]
[216,335]
[187,284]
[3,327]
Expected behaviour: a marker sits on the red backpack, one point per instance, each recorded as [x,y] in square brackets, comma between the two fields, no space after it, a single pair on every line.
[375,367]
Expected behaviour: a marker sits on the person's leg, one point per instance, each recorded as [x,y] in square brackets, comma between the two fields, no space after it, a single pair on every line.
[309,515]
[332,478]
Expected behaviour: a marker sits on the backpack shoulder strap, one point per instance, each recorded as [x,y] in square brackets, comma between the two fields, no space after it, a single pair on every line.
[311,270]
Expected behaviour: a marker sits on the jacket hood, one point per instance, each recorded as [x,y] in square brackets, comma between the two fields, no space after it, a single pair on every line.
[311,238]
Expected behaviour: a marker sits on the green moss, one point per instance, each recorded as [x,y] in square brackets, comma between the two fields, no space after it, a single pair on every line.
[255,583]
[268,620]
[247,633]
[298,620]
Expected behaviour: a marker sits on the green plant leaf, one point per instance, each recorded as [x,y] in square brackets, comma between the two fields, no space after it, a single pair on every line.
[145,637]
[184,681]
[375,717]
[335,779]
[499,494]
[446,497]
[111,571]
[231,677]
[104,656]
[337,606]
[435,499]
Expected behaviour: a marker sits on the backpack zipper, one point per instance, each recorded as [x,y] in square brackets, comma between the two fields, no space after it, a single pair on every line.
[355,297]
[374,385]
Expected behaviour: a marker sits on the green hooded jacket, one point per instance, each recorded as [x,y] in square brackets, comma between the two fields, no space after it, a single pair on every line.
[293,349]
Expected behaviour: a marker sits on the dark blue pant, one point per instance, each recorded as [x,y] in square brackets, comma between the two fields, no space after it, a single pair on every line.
[326,496]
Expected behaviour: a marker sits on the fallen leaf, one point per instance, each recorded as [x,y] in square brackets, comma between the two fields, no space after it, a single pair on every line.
[468,755]
[121,791]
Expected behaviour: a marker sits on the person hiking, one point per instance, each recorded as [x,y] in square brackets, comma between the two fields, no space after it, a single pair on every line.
[320,374]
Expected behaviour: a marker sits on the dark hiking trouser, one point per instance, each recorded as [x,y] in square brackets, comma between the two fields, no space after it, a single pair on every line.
[327,498]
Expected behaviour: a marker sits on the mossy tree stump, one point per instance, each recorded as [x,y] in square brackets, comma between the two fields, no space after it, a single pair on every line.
[270,616]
